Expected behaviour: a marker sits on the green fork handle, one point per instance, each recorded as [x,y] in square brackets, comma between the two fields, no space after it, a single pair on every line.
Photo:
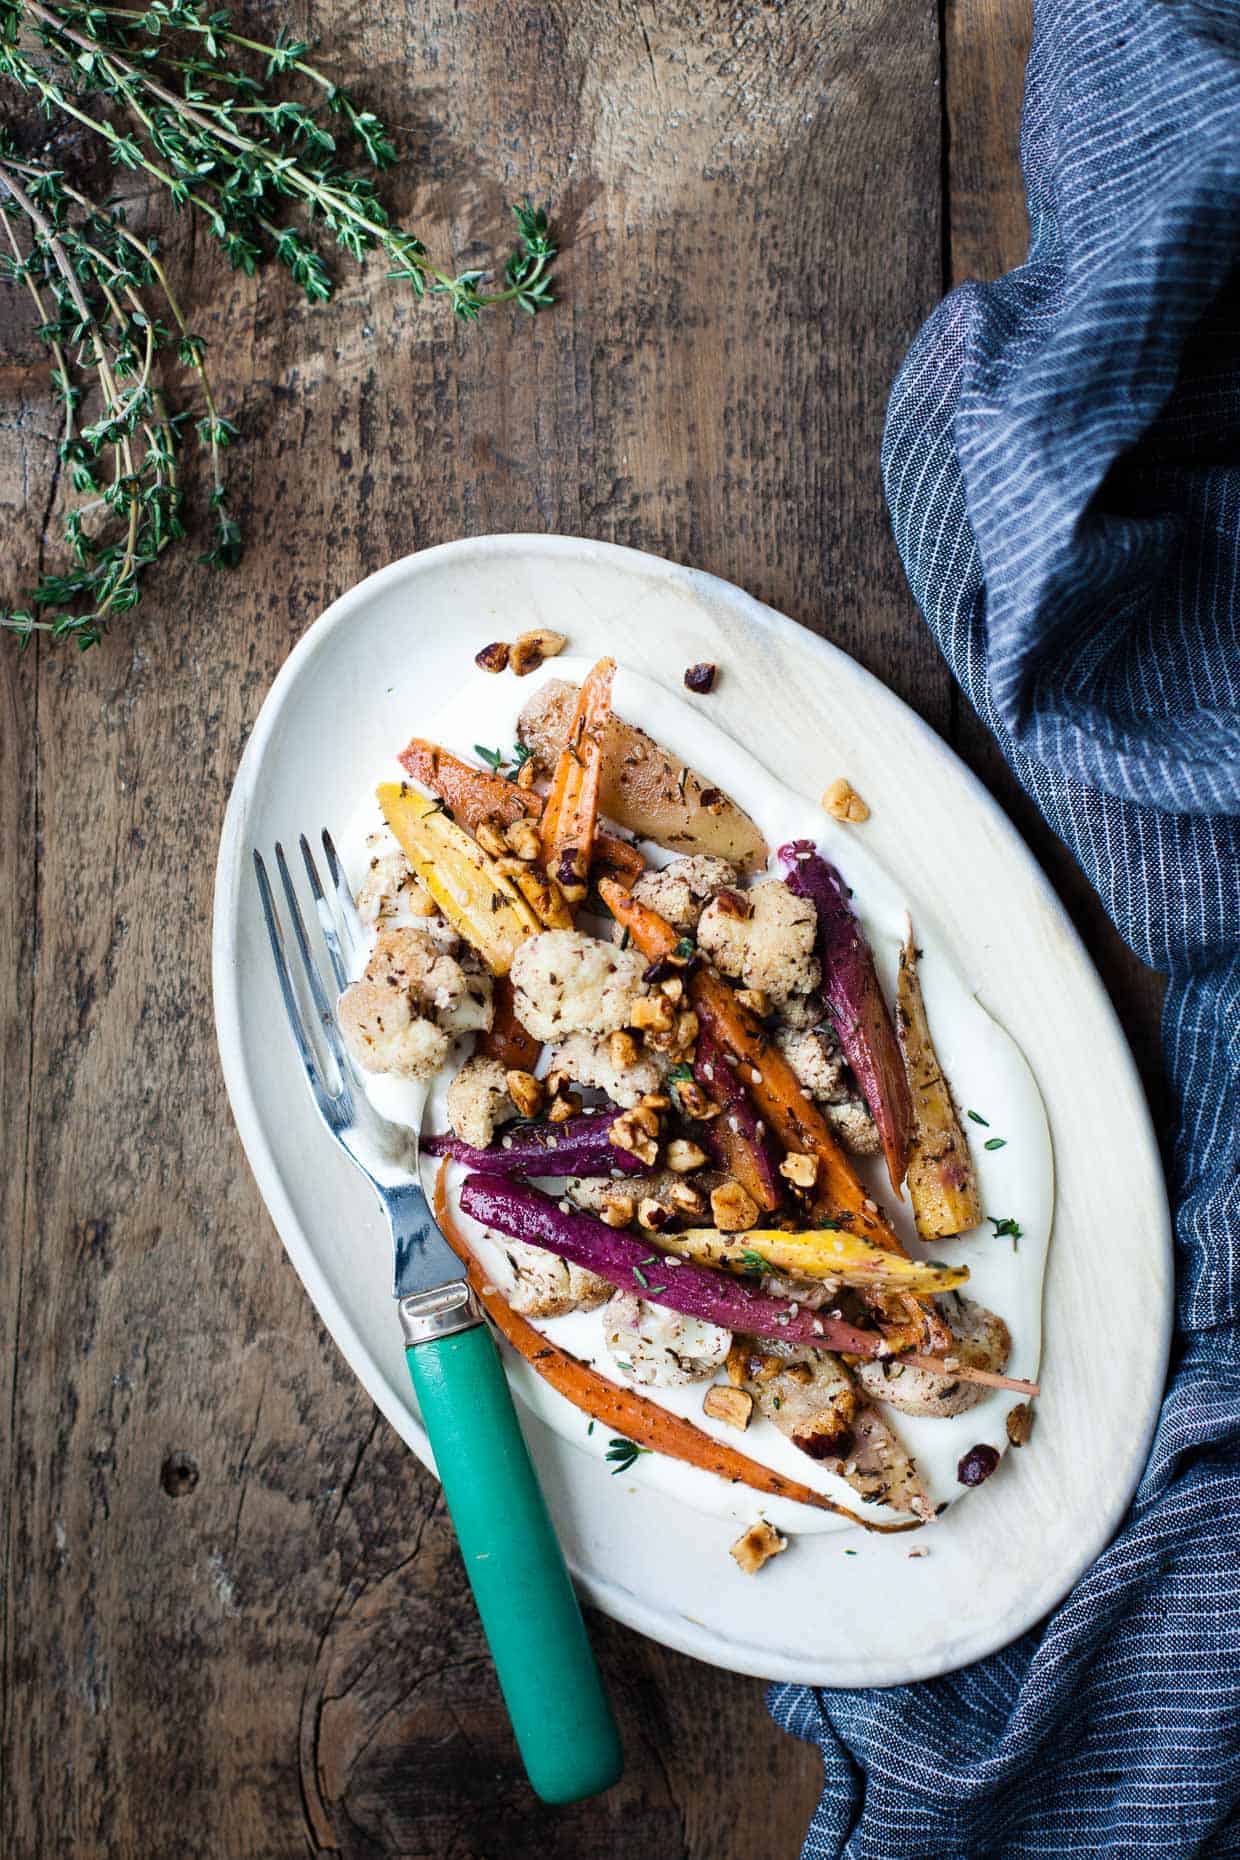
[563,1724]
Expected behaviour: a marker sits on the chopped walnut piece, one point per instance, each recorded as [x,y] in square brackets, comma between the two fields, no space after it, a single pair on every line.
[682,1156]
[565,1106]
[735,1406]
[525,1091]
[654,1014]
[758,1545]
[526,774]
[622,1050]
[653,1216]
[693,1102]
[799,1169]
[655,1101]
[491,839]
[1020,1423]
[733,1208]
[673,987]
[493,658]
[532,648]
[689,1202]
[618,1210]
[627,1134]
[522,838]
[756,1000]
[842,802]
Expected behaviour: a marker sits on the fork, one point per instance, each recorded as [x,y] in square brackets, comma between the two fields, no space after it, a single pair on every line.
[547,1673]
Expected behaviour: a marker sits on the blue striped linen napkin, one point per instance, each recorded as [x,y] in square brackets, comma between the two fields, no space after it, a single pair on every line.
[1062,462]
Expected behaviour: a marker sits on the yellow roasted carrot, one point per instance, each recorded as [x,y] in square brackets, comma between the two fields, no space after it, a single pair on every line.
[821,1253]
[478,899]
[635,1416]
[570,814]
[942,1182]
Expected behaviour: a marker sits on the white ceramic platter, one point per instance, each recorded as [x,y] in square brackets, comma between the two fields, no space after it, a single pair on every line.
[840,1609]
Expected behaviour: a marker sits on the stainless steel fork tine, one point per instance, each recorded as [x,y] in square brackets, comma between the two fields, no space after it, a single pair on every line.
[292,1006]
[327,917]
[314,981]
[349,921]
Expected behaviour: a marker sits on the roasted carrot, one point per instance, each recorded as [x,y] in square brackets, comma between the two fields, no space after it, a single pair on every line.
[474,795]
[762,1068]
[570,814]
[507,1040]
[477,795]
[776,1091]
[635,1416]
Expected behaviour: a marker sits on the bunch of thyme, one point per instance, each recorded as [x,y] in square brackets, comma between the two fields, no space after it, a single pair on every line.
[258,142]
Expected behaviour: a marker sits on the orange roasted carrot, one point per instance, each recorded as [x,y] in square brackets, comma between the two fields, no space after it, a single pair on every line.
[507,1040]
[635,1416]
[570,814]
[776,1091]
[762,1068]
[474,795]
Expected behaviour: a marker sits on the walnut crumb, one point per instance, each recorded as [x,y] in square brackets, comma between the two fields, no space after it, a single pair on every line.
[800,1170]
[758,1545]
[735,1406]
[493,658]
[842,802]
[525,1091]
[1020,1423]
[532,648]
[733,1207]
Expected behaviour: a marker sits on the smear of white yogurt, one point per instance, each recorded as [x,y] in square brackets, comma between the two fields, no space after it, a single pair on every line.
[986,1068]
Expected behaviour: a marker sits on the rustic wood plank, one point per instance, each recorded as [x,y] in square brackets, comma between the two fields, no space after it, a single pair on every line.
[236,1619]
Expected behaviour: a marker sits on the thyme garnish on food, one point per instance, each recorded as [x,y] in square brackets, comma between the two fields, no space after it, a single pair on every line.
[1006,1228]
[271,155]
[623,1454]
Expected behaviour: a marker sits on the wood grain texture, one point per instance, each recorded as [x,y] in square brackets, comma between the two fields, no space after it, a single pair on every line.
[234,1620]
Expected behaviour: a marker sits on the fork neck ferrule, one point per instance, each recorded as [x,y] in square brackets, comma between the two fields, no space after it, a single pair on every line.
[438,1313]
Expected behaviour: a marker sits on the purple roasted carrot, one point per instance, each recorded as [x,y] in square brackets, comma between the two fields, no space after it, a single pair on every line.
[579,1146]
[850,986]
[736,1138]
[525,1213]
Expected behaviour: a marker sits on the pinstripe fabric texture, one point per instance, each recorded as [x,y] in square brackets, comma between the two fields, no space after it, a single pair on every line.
[1062,462]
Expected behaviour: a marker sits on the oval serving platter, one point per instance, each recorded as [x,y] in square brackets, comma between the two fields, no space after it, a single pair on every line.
[844,1608]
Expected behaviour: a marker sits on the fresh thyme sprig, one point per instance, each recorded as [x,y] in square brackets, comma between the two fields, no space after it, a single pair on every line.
[211,115]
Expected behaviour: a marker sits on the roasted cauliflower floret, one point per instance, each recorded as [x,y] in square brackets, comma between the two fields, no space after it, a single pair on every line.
[588,1060]
[566,982]
[389,893]
[851,1122]
[546,1286]
[815,1057]
[982,1341]
[384,1034]
[478,1100]
[455,994]
[764,938]
[650,1344]
[681,890]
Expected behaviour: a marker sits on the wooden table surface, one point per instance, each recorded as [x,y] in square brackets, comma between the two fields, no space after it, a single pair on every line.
[234,1620]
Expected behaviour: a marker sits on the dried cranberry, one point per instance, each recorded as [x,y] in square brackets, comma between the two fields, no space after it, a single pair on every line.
[701,678]
[977,1464]
[659,971]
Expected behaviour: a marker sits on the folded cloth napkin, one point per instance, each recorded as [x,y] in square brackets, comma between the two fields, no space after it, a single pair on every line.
[1062,462]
